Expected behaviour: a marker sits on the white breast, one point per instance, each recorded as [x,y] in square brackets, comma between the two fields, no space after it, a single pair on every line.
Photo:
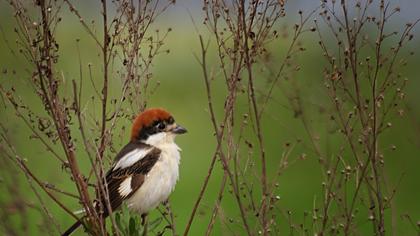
[159,182]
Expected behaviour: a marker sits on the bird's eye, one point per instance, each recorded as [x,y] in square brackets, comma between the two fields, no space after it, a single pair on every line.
[161,125]
[171,120]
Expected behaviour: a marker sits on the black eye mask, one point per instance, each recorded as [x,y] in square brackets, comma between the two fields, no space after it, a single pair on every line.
[156,127]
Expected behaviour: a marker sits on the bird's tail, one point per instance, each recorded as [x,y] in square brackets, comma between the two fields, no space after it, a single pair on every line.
[72,228]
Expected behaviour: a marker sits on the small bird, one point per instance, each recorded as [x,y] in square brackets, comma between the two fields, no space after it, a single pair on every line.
[145,171]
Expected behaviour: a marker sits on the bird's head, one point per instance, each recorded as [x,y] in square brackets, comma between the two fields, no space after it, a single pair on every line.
[155,126]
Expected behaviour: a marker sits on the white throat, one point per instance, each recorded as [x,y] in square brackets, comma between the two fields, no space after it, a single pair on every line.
[161,140]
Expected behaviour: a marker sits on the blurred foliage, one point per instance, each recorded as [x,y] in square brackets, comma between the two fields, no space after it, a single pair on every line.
[131,224]
[181,90]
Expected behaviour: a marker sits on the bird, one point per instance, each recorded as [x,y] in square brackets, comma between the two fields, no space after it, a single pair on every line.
[144,173]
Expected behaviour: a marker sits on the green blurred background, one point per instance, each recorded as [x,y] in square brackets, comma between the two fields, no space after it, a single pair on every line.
[182,91]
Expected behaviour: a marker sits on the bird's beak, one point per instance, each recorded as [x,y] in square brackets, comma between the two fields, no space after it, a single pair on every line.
[179,130]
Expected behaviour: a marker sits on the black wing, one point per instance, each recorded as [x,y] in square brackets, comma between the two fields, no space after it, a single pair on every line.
[137,173]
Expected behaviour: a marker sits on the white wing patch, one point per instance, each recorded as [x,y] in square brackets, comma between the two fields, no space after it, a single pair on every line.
[132,157]
[125,187]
